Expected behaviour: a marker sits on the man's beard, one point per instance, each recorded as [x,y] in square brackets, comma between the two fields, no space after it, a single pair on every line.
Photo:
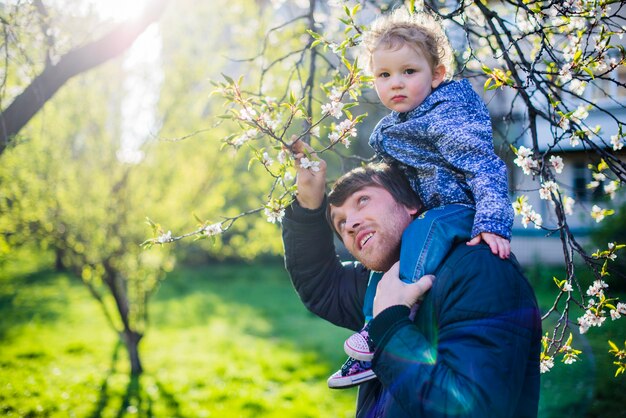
[386,253]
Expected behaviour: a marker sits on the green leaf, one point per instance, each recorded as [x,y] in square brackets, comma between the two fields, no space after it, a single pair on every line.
[487,84]
[228,79]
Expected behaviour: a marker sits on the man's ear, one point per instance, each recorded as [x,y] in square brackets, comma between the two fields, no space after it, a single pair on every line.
[439,72]
[414,211]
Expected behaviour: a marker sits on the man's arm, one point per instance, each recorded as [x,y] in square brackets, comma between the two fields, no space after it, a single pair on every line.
[472,347]
[328,288]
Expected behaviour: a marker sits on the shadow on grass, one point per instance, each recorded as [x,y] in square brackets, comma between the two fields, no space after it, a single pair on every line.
[103,399]
[135,398]
[44,303]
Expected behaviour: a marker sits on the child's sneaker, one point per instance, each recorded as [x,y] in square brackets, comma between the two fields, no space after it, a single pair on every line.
[360,346]
[352,373]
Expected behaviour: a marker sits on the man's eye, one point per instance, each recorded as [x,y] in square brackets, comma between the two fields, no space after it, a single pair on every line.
[409,71]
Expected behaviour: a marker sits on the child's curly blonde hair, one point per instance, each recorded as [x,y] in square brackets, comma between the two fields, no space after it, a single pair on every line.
[420,31]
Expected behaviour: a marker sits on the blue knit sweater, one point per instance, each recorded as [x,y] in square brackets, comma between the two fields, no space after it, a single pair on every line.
[445,147]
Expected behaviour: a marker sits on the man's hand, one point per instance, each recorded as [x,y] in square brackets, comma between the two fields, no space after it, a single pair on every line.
[499,246]
[311,184]
[392,291]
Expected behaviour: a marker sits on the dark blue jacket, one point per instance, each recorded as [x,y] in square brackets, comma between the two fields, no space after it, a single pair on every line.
[445,147]
[472,350]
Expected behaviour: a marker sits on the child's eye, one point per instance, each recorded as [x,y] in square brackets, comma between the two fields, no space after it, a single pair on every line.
[409,71]
[340,225]
[363,200]
[383,75]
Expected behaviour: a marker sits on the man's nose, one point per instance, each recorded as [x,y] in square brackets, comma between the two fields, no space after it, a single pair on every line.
[353,222]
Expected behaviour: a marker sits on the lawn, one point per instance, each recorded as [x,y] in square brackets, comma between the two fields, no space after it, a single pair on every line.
[224,341]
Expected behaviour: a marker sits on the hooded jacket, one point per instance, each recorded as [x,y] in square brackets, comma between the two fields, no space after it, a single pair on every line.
[445,148]
[472,350]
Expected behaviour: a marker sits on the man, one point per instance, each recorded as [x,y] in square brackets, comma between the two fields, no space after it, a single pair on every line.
[472,349]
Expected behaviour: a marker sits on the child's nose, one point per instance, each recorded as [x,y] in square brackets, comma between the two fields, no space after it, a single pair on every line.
[396,82]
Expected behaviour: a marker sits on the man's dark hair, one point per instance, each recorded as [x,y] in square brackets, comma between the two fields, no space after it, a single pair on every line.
[383,175]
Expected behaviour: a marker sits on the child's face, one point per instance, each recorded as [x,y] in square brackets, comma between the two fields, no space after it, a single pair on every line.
[403,77]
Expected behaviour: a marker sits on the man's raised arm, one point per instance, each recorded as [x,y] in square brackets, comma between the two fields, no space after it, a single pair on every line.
[328,288]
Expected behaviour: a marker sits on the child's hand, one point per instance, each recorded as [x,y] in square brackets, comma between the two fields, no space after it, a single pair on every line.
[499,246]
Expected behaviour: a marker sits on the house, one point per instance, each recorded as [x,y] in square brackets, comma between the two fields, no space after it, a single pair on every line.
[532,245]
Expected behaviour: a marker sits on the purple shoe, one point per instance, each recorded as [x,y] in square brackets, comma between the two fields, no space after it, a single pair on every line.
[360,346]
[352,373]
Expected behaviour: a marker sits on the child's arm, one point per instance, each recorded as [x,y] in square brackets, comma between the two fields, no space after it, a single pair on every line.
[465,141]
[499,246]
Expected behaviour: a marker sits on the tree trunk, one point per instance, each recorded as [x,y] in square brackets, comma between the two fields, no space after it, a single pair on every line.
[58,260]
[77,61]
[131,341]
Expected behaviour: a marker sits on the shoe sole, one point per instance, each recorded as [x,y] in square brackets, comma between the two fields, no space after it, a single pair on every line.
[351,381]
[359,355]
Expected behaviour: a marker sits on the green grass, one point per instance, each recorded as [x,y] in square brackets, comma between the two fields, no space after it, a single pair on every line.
[224,341]
[588,387]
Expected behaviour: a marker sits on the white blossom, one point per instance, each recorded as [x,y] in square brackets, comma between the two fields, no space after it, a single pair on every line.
[334,137]
[312,165]
[597,288]
[525,160]
[590,319]
[521,207]
[245,137]
[567,287]
[617,142]
[611,188]
[163,238]
[274,212]
[214,229]
[267,160]
[598,213]
[577,86]
[282,156]
[599,177]
[547,189]
[574,141]
[557,163]
[546,364]
[333,108]
[247,114]
[347,127]
[335,94]
[615,314]
[580,114]
[568,205]
[268,122]
[335,3]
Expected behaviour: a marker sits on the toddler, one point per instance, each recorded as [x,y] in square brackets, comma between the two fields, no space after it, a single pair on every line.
[439,134]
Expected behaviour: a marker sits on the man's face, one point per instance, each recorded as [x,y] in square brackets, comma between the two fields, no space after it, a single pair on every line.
[403,77]
[370,223]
